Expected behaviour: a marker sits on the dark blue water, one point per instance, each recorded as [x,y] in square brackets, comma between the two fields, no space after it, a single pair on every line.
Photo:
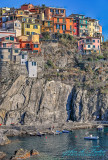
[71,146]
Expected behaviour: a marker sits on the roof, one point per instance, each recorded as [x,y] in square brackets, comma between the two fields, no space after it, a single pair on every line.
[56,8]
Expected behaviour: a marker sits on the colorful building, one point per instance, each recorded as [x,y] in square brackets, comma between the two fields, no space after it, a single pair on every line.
[69,25]
[27,6]
[59,24]
[9,49]
[3,10]
[30,44]
[91,27]
[47,26]
[4,33]
[89,45]
[51,12]
[14,25]
[30,26]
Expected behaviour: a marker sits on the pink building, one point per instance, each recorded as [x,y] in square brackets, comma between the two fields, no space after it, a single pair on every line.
[9,49]
[89,45]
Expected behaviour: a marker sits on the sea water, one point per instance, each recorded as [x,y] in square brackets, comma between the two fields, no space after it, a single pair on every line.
[66,146]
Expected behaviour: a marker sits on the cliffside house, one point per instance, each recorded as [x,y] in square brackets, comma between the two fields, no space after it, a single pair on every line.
[14,25]
[51,12]
[9,49]
[32,68]
[89,45]
[30,44]
[30,26]
[4,33]
[27,6]
[69,25]
[59,24]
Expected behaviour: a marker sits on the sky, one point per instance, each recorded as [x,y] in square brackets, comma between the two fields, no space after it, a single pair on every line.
[97,9]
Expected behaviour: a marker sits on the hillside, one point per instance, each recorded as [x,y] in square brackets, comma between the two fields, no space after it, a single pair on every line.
[72,87]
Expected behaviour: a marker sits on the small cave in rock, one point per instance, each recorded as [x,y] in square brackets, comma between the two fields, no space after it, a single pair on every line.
[70,106]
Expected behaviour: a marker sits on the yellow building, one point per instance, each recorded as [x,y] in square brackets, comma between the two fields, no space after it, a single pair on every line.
[47,26]
[91,27]
[30,28]
[21,13]
[3,10]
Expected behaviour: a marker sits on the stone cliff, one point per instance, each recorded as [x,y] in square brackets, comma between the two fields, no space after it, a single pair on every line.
[39,101]
[68,90]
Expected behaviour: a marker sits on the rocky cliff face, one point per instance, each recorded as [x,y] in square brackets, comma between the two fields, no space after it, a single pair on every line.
[31,101]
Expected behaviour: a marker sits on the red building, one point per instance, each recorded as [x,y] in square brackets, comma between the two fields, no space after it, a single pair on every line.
[75,27]
[27,7]
[51,12]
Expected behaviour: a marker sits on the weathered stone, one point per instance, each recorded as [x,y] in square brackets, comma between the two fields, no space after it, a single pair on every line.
[24,154]
[2,155]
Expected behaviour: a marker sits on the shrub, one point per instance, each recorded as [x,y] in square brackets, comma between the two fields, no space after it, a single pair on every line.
[50,63]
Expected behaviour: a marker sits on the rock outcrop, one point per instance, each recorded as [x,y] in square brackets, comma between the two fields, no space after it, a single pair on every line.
[24,154]
[2,155]
[41,101]
[3,139]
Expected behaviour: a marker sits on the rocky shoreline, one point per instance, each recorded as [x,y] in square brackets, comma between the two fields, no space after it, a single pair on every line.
[36,130]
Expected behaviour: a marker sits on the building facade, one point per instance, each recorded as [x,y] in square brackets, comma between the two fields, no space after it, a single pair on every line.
[89,45]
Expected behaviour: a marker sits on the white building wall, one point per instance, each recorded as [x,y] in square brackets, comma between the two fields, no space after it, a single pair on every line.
[23,59]
[32,68]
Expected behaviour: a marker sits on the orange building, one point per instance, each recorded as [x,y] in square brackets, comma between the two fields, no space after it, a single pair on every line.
[30,44]
[59,24]
[47,26]
[27,6]
[69,25]
[51,12]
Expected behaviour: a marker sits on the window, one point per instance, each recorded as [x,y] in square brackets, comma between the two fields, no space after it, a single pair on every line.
[86,26]
[57,11]
[16,50]
[87,40]
[7,38]
[98,41]
[35,45]
[4,44]
[93,46]
[32,33]
[27,45]
[81,26]
[57,19]
[24,19]
[98,47]
[35,27]
[62,11]
[8,56]
[70,20]
[1,56]
[63,20]
[57,31]
[35,51]
[11,38]
[48,23]
[88,46]
[93,41]
[15,24]
[57,26]
[51,10]
[21,12]
[70,27]
[28,26]
[28,33]
[63,27]
[33,63]
[9,50]
[37,16]
[22,56]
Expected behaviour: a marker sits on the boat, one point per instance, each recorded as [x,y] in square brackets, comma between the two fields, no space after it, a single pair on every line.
[100,128]
[91,137]
[65,131]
